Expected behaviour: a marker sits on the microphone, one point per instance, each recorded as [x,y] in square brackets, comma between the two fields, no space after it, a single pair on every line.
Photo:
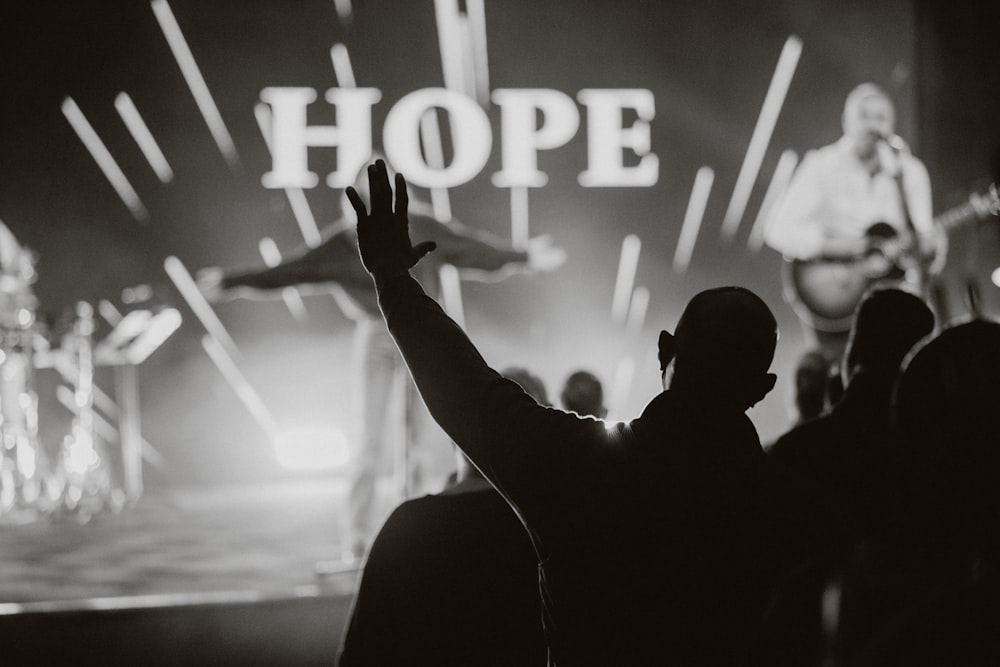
[889,149]
[895,142]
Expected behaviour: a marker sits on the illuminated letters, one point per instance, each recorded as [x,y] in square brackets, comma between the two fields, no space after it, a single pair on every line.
[471,137]
[291,136]
[522,137]
[606,138]
[520,140]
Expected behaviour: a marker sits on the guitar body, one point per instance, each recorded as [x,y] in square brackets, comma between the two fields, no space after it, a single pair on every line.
[824,291]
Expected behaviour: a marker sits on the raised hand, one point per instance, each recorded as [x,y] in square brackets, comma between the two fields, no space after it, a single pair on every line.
[383,234]
[543,256]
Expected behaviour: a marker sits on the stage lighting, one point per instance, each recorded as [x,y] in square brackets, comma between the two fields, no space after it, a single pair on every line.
[312,449]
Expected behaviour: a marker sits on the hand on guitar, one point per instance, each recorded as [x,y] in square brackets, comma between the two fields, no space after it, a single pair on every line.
[838,244]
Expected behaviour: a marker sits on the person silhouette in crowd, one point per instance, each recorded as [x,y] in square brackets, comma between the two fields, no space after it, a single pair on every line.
[923,591]
[334,264]
[812,381]
[660,540]
[843,453]
[583,394]
[451,579]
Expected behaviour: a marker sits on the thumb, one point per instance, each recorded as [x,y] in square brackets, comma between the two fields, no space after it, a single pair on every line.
[422,249]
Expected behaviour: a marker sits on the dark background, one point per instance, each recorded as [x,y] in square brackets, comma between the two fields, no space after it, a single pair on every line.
[708,64]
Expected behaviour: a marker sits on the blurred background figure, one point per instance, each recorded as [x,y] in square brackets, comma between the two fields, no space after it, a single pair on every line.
[583,394]
[812,385]
[857,212]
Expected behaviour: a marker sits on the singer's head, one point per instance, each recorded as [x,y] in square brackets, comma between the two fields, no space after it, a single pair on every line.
[869,117]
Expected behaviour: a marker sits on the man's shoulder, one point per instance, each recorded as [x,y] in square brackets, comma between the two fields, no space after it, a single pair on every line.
[828,155]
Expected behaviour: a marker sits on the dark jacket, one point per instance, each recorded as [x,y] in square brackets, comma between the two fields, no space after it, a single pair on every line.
[660,540]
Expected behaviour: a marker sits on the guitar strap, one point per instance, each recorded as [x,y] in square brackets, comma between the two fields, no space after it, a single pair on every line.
[911,228]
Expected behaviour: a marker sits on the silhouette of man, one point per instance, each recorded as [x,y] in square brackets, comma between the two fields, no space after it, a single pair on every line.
[925,593]
[843,453]
[658,540]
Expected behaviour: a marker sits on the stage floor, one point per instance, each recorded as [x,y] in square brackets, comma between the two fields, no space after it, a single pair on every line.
[195,544]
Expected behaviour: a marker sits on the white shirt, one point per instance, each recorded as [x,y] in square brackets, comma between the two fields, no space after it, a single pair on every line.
[834,193]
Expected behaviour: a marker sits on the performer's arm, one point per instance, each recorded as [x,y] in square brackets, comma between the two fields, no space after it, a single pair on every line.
[482,256]
[333,261]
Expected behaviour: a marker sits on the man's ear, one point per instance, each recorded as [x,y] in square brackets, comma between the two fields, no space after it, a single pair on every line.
[763,388]
[667,346]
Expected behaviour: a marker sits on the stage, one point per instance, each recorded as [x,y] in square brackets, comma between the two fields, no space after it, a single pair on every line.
[193,576]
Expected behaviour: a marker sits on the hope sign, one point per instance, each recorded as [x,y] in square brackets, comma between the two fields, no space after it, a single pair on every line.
[472,137]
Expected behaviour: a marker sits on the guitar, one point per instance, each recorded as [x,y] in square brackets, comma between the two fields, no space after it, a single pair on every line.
[824,291]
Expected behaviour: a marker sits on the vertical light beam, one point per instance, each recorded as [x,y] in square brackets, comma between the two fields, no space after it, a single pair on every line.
[768,118]
[775,190]
[203,311]
[344,10]
[430,134]
[296,197]
[195,81]
[451,293]
[104,161]
[476,13]
[519,231]
[628,263]
[143,137]
[262,113]
[693,217]
[293,300]
[637,310]
[620,390]
[342,66]
[304,217]
[449,43]
[241,386]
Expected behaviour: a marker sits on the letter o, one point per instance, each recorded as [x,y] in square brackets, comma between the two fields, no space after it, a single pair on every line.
[472,138]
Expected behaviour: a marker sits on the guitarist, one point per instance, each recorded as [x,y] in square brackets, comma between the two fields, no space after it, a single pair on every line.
[841,191]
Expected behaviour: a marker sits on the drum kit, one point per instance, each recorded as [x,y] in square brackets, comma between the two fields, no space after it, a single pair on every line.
[96,467]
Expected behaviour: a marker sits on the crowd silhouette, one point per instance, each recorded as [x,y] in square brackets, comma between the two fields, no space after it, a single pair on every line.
[866,535]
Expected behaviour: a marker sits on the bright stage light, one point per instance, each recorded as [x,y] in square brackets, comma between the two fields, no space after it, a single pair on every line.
[995,276]
[311,449]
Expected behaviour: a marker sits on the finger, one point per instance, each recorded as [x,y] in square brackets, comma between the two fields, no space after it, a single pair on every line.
[422,249]
[402,197]
[378,183]
[356,203]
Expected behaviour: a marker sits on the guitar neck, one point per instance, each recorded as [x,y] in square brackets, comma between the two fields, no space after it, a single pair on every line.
[956,216]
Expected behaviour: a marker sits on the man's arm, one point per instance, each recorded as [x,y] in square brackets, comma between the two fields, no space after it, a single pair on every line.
[506,434]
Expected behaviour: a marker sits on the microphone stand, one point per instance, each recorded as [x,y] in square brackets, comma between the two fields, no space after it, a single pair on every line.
[921,270]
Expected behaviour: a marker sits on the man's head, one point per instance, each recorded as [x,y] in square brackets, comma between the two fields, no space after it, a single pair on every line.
[887,324]
[722,348]
[529,382]
[584,395]
[812,379]
[869,117]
